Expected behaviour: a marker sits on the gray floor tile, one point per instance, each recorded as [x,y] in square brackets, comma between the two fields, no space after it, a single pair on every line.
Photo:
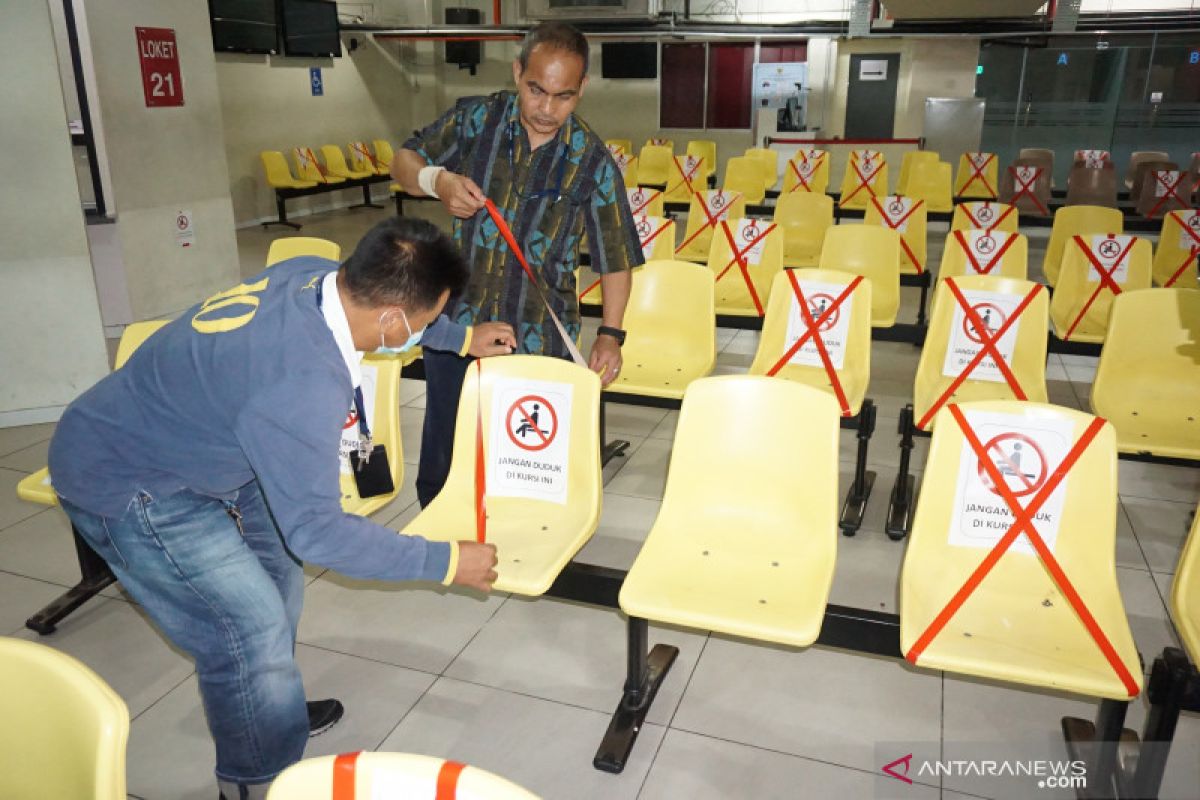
[28,459]
[628,420]
[867,574]
[624,524]
[666,428]
[645,473]
[12,508]
[412,421]
[412,391]
[42,547]
[20,597]
[22,436]
[1147,614]
[1161,528]
[1158,481]
[613,468]
[545,747]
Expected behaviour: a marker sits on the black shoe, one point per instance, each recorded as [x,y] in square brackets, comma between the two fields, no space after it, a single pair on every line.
[323,715]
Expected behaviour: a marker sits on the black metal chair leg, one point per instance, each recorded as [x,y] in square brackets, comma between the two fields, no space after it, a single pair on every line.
[281,210]
[94,577]
[900,504]
[609,450]
[1097,744]
[855,507]
[1174,686]
[643,677]
[366,203]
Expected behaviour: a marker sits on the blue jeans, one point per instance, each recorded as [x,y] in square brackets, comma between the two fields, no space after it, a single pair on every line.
[230,595]
[444,374]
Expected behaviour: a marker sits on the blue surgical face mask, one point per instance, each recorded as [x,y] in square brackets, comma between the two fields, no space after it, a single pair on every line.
[414,337]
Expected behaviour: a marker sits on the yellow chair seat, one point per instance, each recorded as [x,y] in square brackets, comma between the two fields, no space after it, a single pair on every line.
[384,372]
[1185,594]
[391,775]
[279,176]
[750,557]
[292,246]
[335,163]
[534,538]
[1075,287]
[36,488]
[1017,626]
[872,251]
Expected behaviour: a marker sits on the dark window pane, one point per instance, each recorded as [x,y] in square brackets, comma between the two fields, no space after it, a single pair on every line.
[730,68]
[681,90]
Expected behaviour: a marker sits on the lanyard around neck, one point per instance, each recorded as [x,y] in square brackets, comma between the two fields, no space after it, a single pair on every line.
[360,409]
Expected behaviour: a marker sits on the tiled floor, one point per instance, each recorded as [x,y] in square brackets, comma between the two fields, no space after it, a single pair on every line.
[525,687]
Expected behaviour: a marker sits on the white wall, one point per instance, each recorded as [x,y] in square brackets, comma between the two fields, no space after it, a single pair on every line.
[52,347]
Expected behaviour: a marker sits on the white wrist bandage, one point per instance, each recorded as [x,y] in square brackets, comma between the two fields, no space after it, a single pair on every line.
[427,179]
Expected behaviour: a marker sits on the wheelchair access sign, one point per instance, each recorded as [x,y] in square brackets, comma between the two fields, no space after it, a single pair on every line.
[530,454]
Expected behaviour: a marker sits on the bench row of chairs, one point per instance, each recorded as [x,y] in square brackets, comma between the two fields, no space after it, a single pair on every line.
[329,172]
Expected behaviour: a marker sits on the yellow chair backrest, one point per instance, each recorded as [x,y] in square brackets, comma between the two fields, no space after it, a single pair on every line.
[381,399]
[654,165]
[624,144]
[292,246]
[383,153]
[363,160]
[644,201]
[278,174]
[391,775]
[689,173]
[804,217]
[760,242]
[1018,625]
[1185,594]
[629,169]
[953,342]
[1177,251]
[1080,312]
[930,181]
[1148,377]
[845,334]
[1070,221]
[309,168]
[698,234]
[671,329]
[658,141]
[866,176]
[335,161]
[745,174]
[984,215]
[909,217]
[812,166]
[65,729]
[975,252]
[706,149]
[907,161]
[134,336]
[978,176]
[873,252]
[770,163]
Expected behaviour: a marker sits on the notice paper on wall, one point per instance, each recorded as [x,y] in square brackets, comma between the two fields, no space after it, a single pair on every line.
[185,234]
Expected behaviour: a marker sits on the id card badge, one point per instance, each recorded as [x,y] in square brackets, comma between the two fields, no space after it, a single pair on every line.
[372,476]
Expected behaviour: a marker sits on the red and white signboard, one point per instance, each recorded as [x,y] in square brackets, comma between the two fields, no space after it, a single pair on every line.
[834,331]
[1026,453]
[531,435]
[1107,249]
[1189,235]
[993,309]
[749,235]
[162,80]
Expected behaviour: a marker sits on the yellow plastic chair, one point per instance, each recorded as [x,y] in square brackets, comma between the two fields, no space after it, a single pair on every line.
[671,334]
[1148,377]
[384,421]
[894,212]
[661,142]
[1018,626]
[1070,221]
[383,153]
[654,165]
[363,160]
[769,159]
[658,244]
[629,170]
[705,212]
[1185,593]
[689,174]
[335,164]
[804,218]
[751,557]
[1080,313]
[810,165]
[1027,363]
[1177,250]
[292,246]
[534,538]
[907,161]
[930,181]
[744,174]
[854,372]
[65,729]
[734,295]
[645,202]
[866,176]
[967,252]
[978,176]
[278,174]
[625,145]
[985,215]
[309,169]
[706,149]
[874,253]
[390,775]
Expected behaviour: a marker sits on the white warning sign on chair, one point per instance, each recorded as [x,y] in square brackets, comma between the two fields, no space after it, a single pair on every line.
[1189,236]
[896,209]
[966,340]
[1026,451]
[531,440]
[349,440]
[751,233]
[1107,249]
[820,297]
[719,202]
[649,231]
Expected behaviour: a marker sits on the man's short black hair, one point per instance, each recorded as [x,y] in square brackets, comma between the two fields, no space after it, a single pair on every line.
[404,261]
[555,35]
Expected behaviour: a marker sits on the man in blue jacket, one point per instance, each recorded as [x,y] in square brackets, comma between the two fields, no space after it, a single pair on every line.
[205,471]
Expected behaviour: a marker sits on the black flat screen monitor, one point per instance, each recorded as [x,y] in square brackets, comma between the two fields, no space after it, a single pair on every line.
[629,60]
[244,26]
[310,28]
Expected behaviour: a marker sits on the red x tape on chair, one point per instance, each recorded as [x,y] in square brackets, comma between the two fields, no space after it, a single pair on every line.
[746,256]
[751,557]
[1010,574]
[1166,190]
[525,472]
[866,177]
[361,158]
[1096,269]
[375,776]
[627,164]
[818,331]
[804,217]
[985,215]
[979,252]
[1148,378]
[645,202]
[807,171]
[688,175]
[1093,159]
[873,252]
[977,176]
[309,169]
[987,341]
[1175,257]
[1072,221]
[657,237]
[1027,187]
[707,210]
[909,217]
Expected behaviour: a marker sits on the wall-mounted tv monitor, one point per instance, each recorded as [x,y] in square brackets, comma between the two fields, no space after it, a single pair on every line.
[310,28]
[244,26]
[629,60]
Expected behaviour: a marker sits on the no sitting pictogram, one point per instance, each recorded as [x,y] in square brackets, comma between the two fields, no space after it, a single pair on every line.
[525,420]
[817,305]
[990,315]
[750,232]
[643,227]
[985,245]
[985,213]
[181,222]
[896,208]
[1019,461]
[1194,221]
[1109,248]
[717,201]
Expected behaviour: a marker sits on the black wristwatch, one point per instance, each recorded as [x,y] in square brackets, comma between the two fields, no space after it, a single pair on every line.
[616,333]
